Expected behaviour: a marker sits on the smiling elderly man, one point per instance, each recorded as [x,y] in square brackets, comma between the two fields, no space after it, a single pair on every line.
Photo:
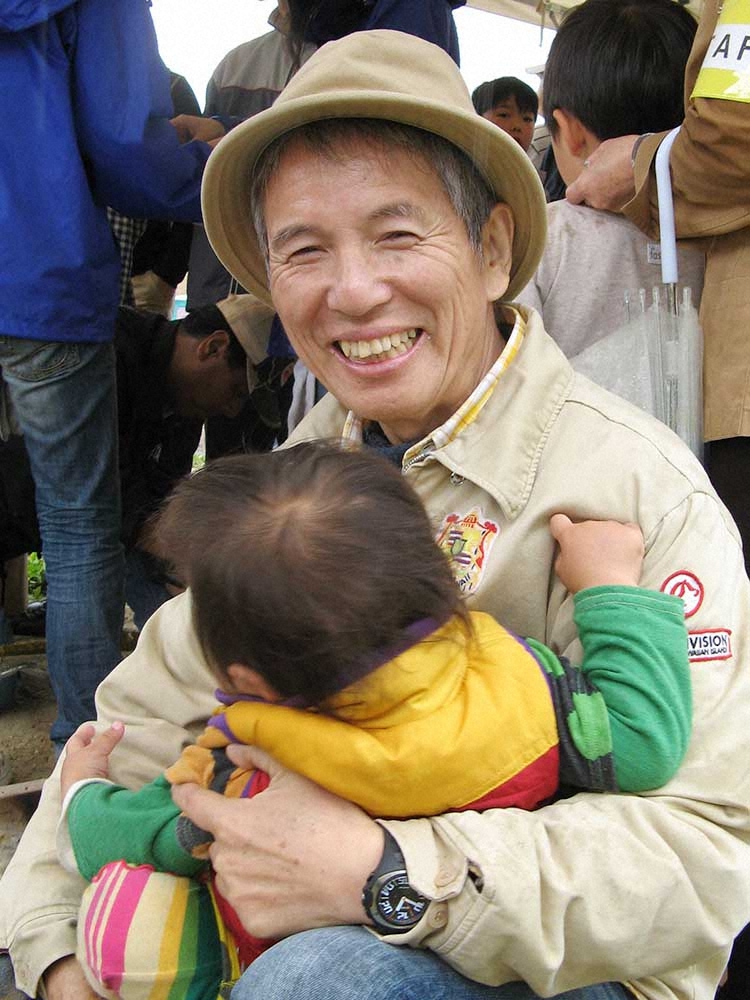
[391,227]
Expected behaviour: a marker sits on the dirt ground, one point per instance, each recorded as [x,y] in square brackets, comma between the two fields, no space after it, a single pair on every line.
[24,731]
[24,742]
[24,726]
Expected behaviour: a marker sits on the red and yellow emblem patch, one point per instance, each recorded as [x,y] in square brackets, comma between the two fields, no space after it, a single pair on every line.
[467,539]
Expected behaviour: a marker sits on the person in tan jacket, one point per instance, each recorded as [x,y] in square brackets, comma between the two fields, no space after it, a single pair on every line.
[710,164]
[392,239]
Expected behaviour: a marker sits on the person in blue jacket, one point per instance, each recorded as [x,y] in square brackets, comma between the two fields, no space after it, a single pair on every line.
[85,124]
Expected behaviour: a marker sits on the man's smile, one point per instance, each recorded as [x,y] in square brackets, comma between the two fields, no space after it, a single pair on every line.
[379,348]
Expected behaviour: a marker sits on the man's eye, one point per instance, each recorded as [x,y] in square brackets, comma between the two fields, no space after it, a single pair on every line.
[400,236]
[304,251]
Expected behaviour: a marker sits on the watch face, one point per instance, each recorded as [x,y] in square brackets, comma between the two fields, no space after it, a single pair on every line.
[398,903]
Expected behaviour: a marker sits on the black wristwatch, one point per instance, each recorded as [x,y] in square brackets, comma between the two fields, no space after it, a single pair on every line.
[393,905]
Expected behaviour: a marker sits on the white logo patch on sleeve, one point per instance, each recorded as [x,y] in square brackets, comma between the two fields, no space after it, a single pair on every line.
[687,587]
[709,644]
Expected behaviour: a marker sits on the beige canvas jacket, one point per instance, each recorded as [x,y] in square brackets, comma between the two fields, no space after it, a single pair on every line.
[710,163]
[644,889]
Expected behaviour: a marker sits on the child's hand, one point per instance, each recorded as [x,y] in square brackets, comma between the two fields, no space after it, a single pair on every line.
[87,754]
[597,553]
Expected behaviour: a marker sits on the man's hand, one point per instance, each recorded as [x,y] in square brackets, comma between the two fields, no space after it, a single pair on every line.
[293,857]
[64,980]
[606,180]
[87,754]
[191,127]
[597,553]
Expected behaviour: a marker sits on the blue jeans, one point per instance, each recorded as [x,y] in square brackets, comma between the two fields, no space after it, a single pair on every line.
[143,594]
[65,402]
[339,963]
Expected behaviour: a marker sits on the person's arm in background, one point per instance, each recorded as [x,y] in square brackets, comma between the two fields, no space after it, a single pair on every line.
[161,256]
[163,693]
[595,888]
[123,107]
[709,162]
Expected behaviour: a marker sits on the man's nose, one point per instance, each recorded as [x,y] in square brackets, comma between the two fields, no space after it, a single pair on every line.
[356,285]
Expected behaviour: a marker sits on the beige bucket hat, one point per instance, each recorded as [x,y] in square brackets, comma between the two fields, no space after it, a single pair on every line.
[371,74]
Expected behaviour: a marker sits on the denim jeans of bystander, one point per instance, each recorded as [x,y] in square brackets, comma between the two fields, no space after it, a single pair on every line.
[143,593]
[65,402]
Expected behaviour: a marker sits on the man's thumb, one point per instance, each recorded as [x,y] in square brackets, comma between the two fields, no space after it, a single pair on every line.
[199,804]
[575,193]
[253,757]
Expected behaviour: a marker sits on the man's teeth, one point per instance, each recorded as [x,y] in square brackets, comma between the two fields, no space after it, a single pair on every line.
[380,347]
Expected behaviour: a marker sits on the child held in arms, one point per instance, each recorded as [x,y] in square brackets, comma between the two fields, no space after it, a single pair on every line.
[341,645]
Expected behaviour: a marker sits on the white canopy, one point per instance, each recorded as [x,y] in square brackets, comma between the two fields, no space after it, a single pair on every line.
[545,12]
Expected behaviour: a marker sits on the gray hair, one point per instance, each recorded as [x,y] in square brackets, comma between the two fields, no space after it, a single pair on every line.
[469,193]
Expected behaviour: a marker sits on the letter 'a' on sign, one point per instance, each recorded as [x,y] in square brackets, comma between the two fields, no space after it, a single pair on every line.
[725,73]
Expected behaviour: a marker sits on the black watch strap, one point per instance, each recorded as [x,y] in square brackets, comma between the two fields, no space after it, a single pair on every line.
[391,902]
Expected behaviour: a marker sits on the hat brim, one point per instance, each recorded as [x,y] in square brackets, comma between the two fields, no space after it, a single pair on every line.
[226,184]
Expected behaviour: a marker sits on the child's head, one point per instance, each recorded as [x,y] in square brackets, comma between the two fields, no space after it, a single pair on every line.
[616,67]
[305,565]
[510,104]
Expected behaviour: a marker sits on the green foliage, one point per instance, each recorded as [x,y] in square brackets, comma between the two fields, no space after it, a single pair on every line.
[37,577]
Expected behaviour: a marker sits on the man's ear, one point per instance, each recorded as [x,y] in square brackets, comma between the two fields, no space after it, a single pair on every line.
[214,346]
[497,250]
[572,134]
[246,680]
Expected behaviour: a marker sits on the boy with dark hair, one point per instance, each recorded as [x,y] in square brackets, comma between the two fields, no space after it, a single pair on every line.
[510,104]
[613,68]
[338,636]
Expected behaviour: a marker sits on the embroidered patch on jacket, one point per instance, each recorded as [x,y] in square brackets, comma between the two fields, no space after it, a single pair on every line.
[725,73]
[687,587]
[709,644]
[467,539]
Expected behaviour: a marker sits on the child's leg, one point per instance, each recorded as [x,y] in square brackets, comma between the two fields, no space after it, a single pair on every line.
[144,934]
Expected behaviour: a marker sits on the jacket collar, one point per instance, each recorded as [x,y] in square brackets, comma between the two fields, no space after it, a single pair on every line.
[501,449]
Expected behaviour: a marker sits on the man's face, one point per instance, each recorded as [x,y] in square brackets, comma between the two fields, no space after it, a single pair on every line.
[211,389]
[377,285]
[509,117]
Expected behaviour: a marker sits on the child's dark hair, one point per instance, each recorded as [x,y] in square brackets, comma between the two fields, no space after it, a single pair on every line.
[619,66]
[204,321]
[306,564]
[489,94]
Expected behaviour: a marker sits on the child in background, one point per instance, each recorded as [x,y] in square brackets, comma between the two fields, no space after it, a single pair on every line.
[510,104]
[613,69]
[341,646]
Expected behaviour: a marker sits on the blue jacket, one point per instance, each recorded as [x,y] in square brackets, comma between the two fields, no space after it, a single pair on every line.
[83,124]
[428,19]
